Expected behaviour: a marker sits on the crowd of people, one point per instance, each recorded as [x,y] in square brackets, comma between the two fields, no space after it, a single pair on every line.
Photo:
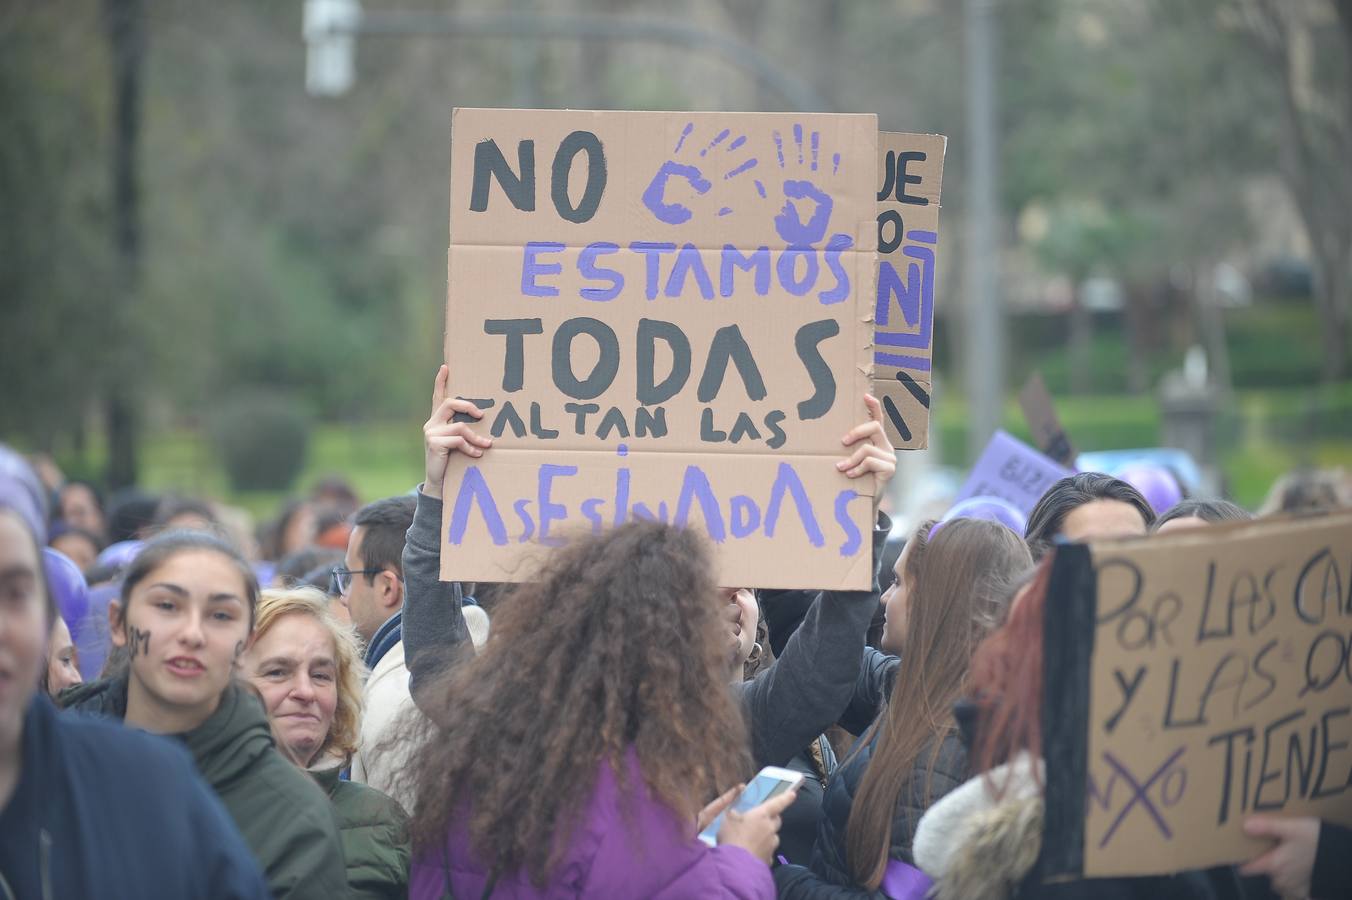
[192,709]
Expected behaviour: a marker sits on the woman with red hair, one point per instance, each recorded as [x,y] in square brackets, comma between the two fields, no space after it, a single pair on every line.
[982,841]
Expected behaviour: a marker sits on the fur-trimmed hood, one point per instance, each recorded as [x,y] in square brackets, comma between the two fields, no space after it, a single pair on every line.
[977,847]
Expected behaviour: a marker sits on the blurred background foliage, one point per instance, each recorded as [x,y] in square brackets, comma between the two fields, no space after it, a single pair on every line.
[293,248]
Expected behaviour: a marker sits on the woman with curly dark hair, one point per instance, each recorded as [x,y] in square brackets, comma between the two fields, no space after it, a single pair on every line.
[605,673]
[619,724]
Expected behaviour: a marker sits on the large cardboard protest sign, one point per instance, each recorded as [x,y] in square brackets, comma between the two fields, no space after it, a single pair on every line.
[664,315]
[910,175]
[1013,471]
[1194,680]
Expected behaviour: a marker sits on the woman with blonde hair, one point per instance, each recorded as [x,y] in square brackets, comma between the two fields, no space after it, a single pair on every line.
[307,666]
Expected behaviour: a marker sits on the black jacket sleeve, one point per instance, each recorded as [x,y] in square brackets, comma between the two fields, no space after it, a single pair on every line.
[1332,877]
[877,671]
[434,631]
[801,883]
[806,689]
[783,612]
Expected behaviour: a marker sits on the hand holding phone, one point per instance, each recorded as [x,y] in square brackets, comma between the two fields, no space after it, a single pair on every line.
[715,808]
[753,820]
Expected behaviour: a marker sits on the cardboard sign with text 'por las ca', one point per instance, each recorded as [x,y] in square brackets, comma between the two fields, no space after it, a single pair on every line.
[663,315]
[910,175]
[1200,678]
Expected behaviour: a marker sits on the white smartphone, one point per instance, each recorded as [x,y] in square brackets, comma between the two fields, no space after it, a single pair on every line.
[770,781]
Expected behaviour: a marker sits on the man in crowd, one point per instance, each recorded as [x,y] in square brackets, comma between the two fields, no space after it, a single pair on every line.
[371,584]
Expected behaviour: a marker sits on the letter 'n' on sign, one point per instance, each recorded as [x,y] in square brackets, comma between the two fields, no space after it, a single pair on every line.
[910,175]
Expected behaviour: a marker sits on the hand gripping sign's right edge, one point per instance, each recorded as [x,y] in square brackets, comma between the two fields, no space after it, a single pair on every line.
[1068,651]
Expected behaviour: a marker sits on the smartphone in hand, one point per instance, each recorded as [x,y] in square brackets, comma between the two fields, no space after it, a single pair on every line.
[770,781]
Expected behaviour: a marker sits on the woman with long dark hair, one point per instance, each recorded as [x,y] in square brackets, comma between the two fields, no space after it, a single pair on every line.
[952,582]
[185,616]
[1198,514]
[1087,506]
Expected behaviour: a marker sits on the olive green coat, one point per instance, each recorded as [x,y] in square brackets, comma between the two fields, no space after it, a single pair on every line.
[374,829]
[282,815]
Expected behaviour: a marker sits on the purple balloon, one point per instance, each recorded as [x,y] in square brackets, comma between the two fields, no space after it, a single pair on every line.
[21,490]
[67,584]
[991,509]
[91,636]
[265,571]
[1156,483]
[120,554]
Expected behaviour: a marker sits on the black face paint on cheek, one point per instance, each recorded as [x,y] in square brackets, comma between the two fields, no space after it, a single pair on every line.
[138,641]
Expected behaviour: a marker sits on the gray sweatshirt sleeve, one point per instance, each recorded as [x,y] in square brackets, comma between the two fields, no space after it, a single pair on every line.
[434,631]
[808,687]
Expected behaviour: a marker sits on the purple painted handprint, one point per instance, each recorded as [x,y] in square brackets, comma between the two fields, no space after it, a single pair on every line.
[804,219]
[673,212]
[789,223]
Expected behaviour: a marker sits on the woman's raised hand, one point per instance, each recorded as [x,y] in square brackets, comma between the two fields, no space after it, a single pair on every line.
[442,437]
[874,454]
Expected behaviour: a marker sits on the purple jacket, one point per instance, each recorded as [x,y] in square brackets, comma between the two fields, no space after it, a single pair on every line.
[656,856]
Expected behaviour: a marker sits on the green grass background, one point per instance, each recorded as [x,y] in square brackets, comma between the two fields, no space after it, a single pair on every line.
[1278,417]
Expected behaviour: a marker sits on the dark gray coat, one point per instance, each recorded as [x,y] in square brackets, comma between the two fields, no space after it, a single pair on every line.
[828,876]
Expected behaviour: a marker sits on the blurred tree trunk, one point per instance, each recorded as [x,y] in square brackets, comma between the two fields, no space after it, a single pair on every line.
[598,56]
[526,58]
[827,25]
[1136,313]
[1316,146]
[1211,323]
[747,18]
[125,24]
[1081,342]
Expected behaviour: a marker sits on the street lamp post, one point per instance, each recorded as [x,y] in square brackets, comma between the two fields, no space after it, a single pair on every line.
[330,46]
[984,347]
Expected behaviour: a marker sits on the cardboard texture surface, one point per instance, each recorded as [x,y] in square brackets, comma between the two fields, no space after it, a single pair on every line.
[1040,411]
[1220,687]
[910,175]
[664,314]
[1011,470]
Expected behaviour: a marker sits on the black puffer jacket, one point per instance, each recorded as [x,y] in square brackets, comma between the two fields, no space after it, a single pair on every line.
[829,875]
[798,825]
